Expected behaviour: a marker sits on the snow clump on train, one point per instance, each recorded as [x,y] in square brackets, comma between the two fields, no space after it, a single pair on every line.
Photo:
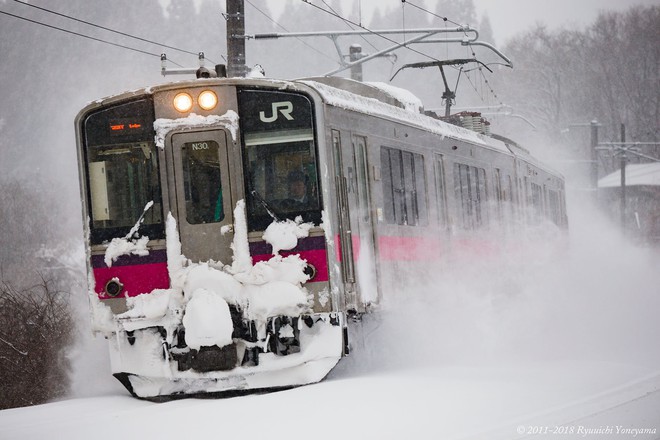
[201,293]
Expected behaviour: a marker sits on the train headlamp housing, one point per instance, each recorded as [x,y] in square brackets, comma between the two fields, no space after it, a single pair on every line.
[114,287]
[183,102]
[207,100]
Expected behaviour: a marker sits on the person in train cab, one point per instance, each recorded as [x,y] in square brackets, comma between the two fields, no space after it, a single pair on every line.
[298,193]
[297,186]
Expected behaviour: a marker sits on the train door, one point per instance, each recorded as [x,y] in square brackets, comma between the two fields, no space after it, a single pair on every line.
[361,221]
[203,194]
[356,242]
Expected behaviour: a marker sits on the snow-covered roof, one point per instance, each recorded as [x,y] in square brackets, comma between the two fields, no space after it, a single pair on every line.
[351,101]
[636,175]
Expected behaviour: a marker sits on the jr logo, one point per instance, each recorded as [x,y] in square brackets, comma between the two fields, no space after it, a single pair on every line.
[285,107]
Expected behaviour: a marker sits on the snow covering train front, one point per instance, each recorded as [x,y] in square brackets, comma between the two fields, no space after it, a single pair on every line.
[205,274]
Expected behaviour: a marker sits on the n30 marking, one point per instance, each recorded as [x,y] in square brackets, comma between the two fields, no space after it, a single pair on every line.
[200,146]
[284,107]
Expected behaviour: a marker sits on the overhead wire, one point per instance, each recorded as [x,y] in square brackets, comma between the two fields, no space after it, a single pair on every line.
[286,30]
[429,12]
[351,27]
[368,30]
[445,19]
[87,36]
[485,79]
[125,34]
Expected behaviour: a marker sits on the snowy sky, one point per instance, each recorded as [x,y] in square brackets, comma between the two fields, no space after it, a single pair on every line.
[509,17]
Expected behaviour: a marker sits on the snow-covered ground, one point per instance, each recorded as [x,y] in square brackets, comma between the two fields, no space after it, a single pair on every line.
[556,346]
[440,402]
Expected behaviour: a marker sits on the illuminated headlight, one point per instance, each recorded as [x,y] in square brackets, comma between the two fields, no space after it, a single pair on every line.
[207,100]
[183,102]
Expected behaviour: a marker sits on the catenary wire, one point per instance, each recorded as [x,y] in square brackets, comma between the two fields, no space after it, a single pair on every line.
[108,29]
[351,27]
[429,12]
[86,36]
[286,30]
[368,30]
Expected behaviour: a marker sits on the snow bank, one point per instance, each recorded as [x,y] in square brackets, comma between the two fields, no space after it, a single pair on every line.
[162,126]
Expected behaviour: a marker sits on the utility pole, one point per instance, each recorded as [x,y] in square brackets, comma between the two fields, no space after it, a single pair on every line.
[594,155]
[623,178]
[355,54]
[236,38]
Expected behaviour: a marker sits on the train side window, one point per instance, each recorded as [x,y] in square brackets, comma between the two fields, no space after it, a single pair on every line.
[420,190]
[409,192]
[537,203]
[362,177]
[554,207]
[440,190]
[499,194]
[202,184]
[404,187]
[470,190]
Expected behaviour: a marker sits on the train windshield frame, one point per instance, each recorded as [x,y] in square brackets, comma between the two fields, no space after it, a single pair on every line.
[280,157]
[122,172]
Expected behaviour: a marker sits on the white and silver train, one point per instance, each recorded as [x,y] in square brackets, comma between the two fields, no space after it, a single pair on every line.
[236,226]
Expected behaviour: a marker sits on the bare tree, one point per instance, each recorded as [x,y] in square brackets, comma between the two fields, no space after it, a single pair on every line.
[608,72]
[35,328]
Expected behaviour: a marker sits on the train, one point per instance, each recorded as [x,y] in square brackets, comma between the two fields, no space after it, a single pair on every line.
[236,227]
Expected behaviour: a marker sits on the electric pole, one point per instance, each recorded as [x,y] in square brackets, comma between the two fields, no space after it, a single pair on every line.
[236,38]
[623,178]
[594,155]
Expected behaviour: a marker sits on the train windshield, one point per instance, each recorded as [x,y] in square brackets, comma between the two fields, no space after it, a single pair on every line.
[122,172]
[279,153]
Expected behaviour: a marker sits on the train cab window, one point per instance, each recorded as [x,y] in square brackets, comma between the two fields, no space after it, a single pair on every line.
[280,158]
[404,187]
[202,184]
[470,189]
[122,172]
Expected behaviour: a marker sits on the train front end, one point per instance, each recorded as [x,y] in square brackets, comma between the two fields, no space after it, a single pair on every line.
[209,267]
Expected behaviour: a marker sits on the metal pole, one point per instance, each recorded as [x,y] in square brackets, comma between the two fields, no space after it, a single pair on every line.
[355,52]
[623,177]
[236,38]
[594,155]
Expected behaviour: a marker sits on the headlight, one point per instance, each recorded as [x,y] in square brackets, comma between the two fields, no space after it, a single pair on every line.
[183,102]
[207,100]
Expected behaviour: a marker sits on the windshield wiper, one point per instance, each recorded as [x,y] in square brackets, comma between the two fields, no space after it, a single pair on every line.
[265,204]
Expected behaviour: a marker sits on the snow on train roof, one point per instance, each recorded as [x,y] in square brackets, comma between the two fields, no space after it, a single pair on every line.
[351,101]
[646,174]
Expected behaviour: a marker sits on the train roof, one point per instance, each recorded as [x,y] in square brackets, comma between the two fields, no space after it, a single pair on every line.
[645,174]
[377,99]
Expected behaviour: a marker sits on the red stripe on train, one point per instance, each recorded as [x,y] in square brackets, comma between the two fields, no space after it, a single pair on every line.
[409,248]
[315,257]
[137,279]
[392,248]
